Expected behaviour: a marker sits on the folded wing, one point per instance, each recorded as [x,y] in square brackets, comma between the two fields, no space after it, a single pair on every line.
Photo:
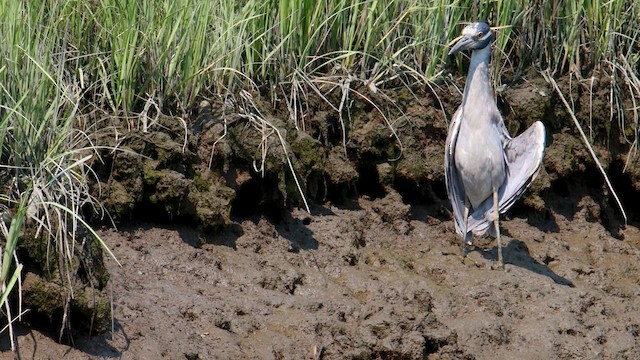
[455,189]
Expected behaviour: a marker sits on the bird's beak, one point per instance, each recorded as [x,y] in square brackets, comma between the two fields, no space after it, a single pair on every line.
[462,43]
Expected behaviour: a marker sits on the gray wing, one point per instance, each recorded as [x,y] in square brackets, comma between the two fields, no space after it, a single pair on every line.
[455,189]
[523,157]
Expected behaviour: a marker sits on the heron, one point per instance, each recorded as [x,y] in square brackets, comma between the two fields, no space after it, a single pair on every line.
[486,170]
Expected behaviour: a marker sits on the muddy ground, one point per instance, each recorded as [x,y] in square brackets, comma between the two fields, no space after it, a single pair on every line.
[373,272]
[375,279]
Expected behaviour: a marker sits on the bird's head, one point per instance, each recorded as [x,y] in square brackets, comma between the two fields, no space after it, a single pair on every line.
[474,36]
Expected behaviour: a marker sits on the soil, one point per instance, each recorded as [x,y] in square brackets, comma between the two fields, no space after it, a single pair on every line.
[374,270]
[375,279]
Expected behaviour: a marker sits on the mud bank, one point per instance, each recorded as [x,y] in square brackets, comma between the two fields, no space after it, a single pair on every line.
[220,259]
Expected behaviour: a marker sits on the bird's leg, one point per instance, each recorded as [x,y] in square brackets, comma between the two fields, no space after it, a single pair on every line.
[496,223]
[465,249]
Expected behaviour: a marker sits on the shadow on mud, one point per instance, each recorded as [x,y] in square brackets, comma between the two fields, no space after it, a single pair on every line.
[285,225]
[227,237]
[296,231]
[517,253]
[92,346]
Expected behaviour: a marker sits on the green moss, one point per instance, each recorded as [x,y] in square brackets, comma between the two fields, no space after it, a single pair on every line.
[170,190]
[385,173]
[201,182]
[213,207]
[274,165]
[309,152]
[94,309]
[40,254]
[42,295]
[150,174]
[89,307]
[153,199]
[119,200]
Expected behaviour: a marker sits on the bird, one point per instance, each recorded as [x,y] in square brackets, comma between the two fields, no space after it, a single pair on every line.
[486,170]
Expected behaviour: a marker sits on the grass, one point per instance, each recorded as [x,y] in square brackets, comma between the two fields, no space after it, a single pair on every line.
[65,59]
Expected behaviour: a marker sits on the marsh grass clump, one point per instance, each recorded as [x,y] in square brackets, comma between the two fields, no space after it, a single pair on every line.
[46,160]
[66,64]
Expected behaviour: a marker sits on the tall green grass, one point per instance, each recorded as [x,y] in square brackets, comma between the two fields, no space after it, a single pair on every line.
[45,160]
[173,51]
[63,59]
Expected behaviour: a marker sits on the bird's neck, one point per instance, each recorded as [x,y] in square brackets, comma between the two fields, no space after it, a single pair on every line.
[478,88]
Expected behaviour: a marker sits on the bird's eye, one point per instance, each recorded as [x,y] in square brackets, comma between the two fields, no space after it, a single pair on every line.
[480,35]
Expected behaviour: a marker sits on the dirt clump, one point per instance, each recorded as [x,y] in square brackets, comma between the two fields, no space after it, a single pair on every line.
[66,294]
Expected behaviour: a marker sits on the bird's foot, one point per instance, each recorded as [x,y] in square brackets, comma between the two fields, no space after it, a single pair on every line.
[498,265]
[465,255]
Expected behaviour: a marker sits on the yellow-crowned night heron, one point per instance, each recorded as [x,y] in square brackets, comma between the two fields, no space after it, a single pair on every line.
[486,170]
